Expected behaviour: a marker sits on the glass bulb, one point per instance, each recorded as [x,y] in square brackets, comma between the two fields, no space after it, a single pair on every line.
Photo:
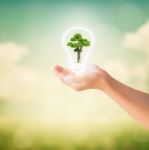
[78,43]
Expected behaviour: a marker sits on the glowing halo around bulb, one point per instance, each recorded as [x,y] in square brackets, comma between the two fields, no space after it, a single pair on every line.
[67,36]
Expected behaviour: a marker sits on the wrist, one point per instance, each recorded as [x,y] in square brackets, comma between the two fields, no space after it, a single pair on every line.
[104,81]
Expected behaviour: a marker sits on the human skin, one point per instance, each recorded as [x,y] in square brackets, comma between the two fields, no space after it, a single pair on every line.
[135,102]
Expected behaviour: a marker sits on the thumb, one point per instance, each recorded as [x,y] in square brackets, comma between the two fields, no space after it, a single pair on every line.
[60,71]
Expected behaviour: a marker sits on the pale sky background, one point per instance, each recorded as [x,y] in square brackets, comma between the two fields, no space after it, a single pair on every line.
[31,44]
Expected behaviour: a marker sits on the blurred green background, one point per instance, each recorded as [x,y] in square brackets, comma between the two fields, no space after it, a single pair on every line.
[38,112]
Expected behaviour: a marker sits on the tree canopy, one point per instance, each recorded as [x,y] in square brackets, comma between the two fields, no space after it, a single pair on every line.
[77,41]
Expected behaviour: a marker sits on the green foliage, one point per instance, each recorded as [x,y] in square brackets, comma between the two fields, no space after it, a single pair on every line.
[46,140]
[78,42]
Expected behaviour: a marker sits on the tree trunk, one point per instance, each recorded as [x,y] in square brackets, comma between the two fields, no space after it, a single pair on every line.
[78,56]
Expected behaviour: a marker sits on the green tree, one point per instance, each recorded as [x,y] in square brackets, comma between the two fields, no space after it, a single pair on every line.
[78,43]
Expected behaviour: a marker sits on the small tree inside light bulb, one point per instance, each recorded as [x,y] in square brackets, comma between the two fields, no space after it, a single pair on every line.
[78,43]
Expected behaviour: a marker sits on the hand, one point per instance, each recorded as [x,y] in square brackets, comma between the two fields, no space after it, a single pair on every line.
[91,78]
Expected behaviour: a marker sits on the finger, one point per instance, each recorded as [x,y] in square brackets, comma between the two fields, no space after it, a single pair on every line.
[61,72]
[59,69]
[72,78]
[77,86]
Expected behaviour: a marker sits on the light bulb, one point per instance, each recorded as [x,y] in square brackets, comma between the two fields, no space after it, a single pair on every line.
[78,43]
